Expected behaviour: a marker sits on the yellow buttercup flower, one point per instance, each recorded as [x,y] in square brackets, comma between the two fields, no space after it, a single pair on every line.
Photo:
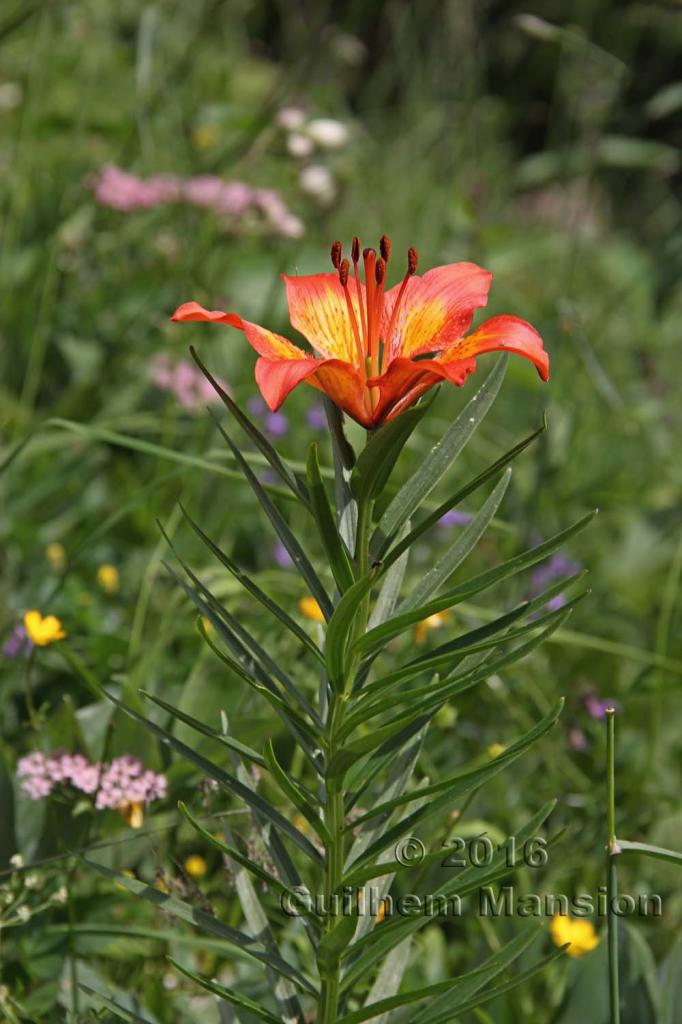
[43,630]
[576,930]
[424,627]
[309,607]
[495,749]
[195,865]
[107,578]
[56,556]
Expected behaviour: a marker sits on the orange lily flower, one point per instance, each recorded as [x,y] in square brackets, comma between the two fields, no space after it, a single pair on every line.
[378,351]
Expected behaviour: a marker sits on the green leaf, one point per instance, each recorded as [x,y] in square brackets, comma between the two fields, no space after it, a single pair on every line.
[462,985]
[437,462]
[435,577]
[647,850]
[340,630]
[119,1011]
[376,638]
[296,486]
[344,460]
[255,591]
[334,942]
[239,748]
[365,951]
[229,782]
[228,994]
[480,639]
[463,1006]
[463,492]
[326,525]
[376,461]
[390,976]
[234,854]
[455,786]
[292,790]
[298,556]
[206,922]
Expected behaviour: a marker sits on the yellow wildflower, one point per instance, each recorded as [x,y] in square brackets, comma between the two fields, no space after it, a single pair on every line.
[434,621]
[495,749]
[107,577]
[309,607]
[382,912]
[576,930]
[206,135]
[195,865]
[43,630]
[56,556]
[132,811]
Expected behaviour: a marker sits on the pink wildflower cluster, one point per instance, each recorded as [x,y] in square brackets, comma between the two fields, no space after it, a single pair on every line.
[125,781]
[185,381]
[122,781]
[119,190]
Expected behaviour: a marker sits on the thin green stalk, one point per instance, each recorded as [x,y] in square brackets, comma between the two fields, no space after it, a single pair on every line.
[335,800]
[612,852]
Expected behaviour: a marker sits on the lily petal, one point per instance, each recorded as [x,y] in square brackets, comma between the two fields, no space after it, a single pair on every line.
[265,342]
[340,381]
[435,309]
[406,380]
[501,334]
[318,309]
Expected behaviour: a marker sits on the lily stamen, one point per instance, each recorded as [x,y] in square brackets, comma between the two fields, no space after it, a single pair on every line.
[355,256]
[344,268]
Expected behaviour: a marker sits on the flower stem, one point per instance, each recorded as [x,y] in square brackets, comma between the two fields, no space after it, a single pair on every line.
[612,852]
[334,813]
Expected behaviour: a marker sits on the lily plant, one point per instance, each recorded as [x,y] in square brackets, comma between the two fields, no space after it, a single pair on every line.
[358,718]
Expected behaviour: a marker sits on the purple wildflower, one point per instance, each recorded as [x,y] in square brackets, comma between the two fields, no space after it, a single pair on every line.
[595,706]
[18,643]
[577,740]
[316,417]
[124,781]
[276,424]
[454,518]
[545,574]
[281,556]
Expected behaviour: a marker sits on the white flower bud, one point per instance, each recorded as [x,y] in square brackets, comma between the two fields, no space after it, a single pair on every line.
[16,861]
[328,133]
[290,118]
[318,182]
[299,145]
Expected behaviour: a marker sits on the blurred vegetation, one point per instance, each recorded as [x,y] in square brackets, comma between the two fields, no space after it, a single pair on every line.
[538,140]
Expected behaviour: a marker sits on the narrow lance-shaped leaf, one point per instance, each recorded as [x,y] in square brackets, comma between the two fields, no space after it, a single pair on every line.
[403,543]
[376,461]
[446,794]
[228,994]
[234,854]
[340,629]
[298,556]
[419,486]
[344,460]
[294,793]
[276,462]
[253,589]
[240,641]
[326,525]
[366,951]
[192,915]
[380,635]
[481,976]
[239,748]
[447,656]
[435,577]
